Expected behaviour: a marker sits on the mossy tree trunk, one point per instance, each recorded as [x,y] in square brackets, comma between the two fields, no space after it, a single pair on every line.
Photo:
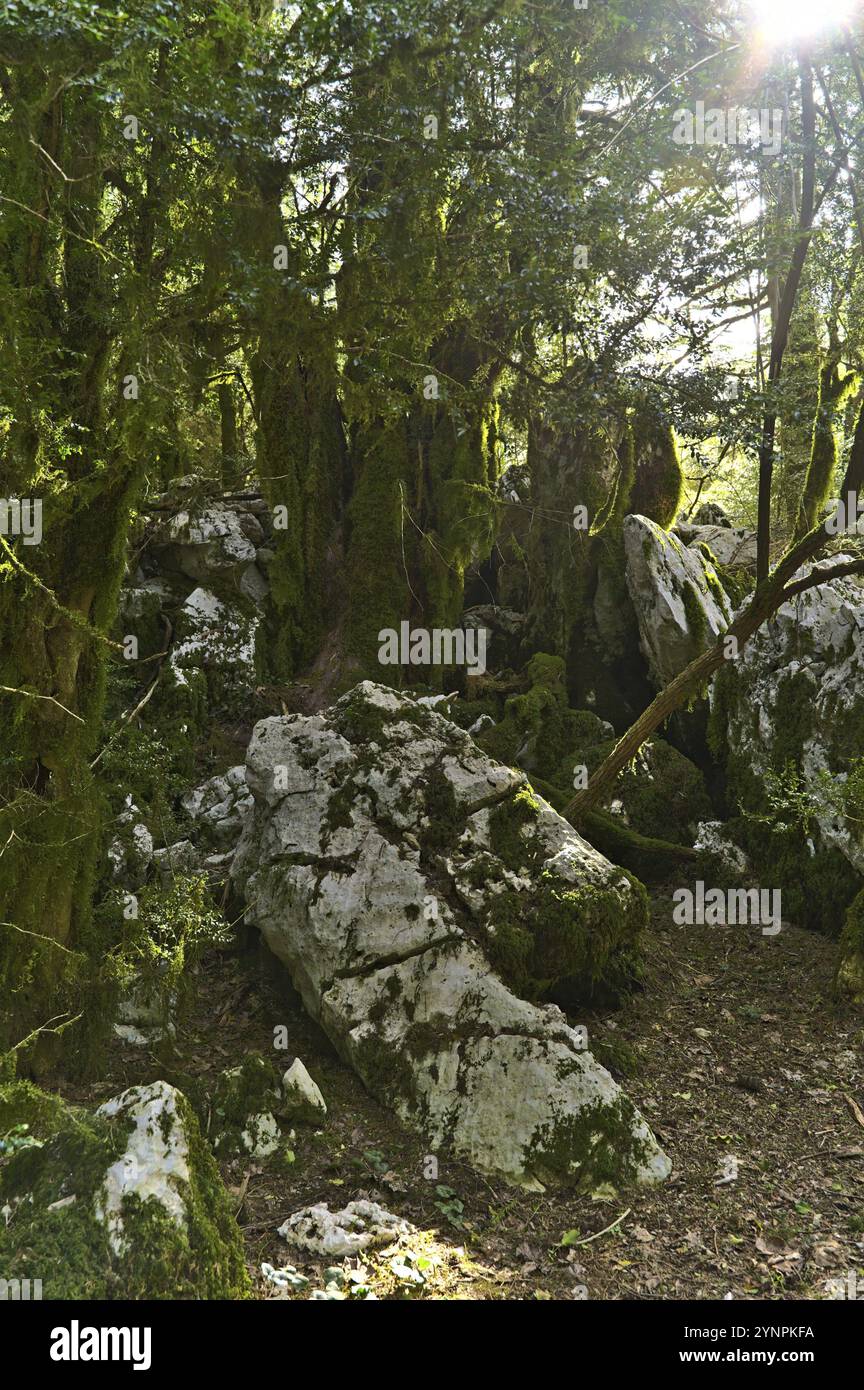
[71,451]
[94,242]
[579,607]
[834,388]
[422,510]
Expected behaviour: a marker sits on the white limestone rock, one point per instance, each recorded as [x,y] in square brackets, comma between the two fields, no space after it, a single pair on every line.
[362,1225]
[372,866]
[302,1097]
[218,640]
[155,1163]
[732,546]
[680,604]
[218,808]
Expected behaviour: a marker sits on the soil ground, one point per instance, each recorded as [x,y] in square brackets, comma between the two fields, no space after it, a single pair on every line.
[752,1078]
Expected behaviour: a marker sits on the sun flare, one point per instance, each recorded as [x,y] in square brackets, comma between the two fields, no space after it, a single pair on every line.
[798,19]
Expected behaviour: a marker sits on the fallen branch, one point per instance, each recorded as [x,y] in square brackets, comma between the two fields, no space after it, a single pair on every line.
[855,1108]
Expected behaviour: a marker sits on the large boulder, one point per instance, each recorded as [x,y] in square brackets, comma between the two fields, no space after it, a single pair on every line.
[216,541]
[389,863]
[733,547]
[680,603]
[788,723]
[123,1203]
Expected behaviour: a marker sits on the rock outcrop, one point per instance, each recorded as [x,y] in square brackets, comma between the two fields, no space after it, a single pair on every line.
[788,724]
[396,870]
[680,603]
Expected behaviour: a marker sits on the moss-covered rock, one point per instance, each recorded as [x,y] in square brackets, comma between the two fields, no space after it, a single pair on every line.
[850,971]
[415,888]
[787,726]
[123,1203]
[555,936]
[542,735]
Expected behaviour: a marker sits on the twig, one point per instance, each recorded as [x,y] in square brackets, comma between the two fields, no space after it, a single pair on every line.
[40,937]
[46,1028]
[32,695]
[586,1240]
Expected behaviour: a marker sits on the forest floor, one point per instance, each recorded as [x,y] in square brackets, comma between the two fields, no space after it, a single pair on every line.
[752,1079]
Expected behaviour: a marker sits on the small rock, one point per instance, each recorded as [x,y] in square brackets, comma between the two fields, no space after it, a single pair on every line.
[359,1226]
[303,1099]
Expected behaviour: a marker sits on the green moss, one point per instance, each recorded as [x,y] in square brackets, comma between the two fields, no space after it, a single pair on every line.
[597,1145]
[464,713]
[241,1096]
[507,825]
[301,462]
[538,728]
[650,859]
[834,388]
[22,1103]
[664,789]
[246,1090]
[715,588]
[558,940]
[68,1247]
[694,612]
[363,722]
[817,881]
[616,1055]
[849,980]
[444,824]
[422,510]
[152,953]
[572,944]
